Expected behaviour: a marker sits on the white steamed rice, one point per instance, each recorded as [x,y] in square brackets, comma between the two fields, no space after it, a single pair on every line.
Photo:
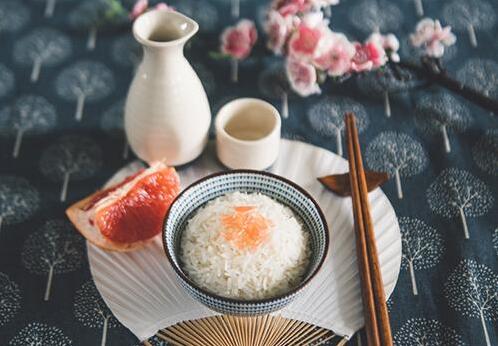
[273,268]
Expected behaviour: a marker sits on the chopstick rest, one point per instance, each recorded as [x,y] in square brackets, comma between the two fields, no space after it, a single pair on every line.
[339,183]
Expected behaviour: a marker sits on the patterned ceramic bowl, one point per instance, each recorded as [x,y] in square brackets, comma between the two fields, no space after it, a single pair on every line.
[278,188]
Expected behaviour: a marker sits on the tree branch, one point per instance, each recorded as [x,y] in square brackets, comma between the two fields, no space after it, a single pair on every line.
[427,70]
[47,261]
[420,250]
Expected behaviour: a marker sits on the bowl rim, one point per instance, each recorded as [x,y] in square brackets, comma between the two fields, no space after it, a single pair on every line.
[283,296]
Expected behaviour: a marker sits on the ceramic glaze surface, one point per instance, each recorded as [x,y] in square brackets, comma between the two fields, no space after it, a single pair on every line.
[247,134]
[167,114]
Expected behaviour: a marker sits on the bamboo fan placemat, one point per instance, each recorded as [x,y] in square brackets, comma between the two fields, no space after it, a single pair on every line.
[141,290]
[246,331]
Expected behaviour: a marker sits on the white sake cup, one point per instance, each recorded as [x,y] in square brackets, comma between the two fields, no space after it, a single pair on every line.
[247,134]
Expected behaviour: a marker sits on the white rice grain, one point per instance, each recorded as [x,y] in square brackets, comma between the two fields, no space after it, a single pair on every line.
[215,264]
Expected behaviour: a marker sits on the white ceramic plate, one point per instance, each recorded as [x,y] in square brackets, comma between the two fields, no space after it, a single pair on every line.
[141,290]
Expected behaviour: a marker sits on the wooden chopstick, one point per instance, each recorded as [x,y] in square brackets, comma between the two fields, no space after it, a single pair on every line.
[368,299]
[366,239]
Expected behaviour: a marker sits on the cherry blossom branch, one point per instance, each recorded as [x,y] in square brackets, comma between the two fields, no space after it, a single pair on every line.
[432,71]
[298,30]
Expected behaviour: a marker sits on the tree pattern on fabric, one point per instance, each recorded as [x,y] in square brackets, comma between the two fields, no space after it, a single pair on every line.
[425,332]
[71,157]
[390,303]
[19,200]
[274,84]
[206,15]
[50,6]
[381,15]
[485,152]
[156,341]
[126,52]
[10,299]
[92,16]
[439,114]
[42,47]
[381,85]
[234,6]
[40,334]
[327,118]
[418,5]
[480,74]
[472,290]
[84,81]
[6,80]
[91,310]
[53,249]
[469,16]
[30,114]
[397,154]
[35,35]
[13,15]
[495,240]
[456,192]
[112,122]
[422,247]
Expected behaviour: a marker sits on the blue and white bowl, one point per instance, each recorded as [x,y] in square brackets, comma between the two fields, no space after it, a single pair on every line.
[218,184]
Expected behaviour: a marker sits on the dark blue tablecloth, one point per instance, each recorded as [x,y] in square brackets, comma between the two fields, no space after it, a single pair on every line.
[46,292]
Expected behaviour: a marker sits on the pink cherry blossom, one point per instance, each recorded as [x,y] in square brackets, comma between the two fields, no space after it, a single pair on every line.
[391,42]
[249,29]
[368,56]
[324,3]
[388,42]
[424,32]
[361,61]
[304,41]
[291,7]
[237,41]
[432,37]
[315,19]
[334,54]
[163,7]
[302,77]
[278,28]
[139,8]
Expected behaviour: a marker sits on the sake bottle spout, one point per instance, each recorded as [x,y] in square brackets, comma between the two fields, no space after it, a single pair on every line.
[163,29]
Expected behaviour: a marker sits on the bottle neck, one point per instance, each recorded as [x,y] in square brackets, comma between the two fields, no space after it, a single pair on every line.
[158,56]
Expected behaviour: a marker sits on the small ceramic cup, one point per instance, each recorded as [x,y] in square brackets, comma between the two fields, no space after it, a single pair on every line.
[247,134]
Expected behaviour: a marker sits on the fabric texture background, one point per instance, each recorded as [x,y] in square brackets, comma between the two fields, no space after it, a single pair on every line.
[44,275]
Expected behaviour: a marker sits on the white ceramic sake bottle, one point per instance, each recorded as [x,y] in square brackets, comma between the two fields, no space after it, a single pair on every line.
[167,113]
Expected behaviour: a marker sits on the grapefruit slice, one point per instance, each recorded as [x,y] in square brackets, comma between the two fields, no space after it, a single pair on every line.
[125,216]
